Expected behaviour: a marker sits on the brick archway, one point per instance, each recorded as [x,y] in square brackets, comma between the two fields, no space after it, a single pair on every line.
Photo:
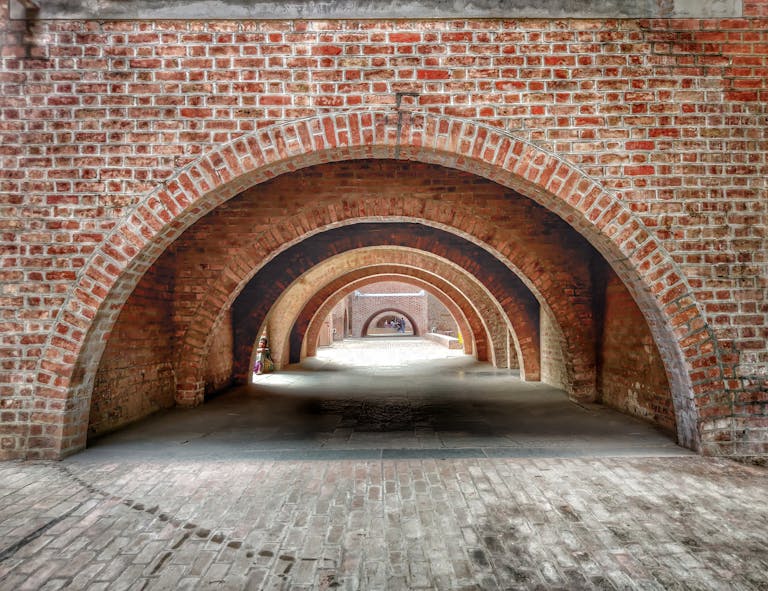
[288,318]
[461,263]
[485,328]
[564,290]
[306,330]
[66,367]
[304,312]
[490,320]
[417,330]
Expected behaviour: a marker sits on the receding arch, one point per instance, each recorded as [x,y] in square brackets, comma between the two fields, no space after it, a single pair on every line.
[524,333]
[306,329]
[417,330]
[476,304]
[67,364]
[298,301]
[522,309]
[301,311]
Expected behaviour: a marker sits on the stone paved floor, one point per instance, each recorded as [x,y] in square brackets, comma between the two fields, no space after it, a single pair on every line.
[288,484]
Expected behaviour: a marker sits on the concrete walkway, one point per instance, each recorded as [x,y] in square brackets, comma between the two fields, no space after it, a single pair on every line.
[424,470]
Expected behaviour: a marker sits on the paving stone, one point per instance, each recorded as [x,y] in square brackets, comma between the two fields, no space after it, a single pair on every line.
[411,518]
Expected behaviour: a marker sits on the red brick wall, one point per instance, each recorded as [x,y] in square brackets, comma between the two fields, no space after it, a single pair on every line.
[440,319]
[755,8]
[219,362]
[630,371]
[136,376]
[667,117]
[553,368]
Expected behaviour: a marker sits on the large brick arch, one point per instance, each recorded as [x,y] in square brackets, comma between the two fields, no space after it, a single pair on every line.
[499,284]
[69,358]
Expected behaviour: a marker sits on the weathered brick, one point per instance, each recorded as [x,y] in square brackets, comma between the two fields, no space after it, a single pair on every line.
[668,121]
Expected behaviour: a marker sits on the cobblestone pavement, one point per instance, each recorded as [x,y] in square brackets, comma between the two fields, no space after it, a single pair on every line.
[135,512]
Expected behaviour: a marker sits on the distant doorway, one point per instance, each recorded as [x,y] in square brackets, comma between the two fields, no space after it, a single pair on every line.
[389,324]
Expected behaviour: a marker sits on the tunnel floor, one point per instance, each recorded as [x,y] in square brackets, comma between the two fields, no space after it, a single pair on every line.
[394,397]
[386,477]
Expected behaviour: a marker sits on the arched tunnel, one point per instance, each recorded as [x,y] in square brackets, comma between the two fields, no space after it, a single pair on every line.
[528,291]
